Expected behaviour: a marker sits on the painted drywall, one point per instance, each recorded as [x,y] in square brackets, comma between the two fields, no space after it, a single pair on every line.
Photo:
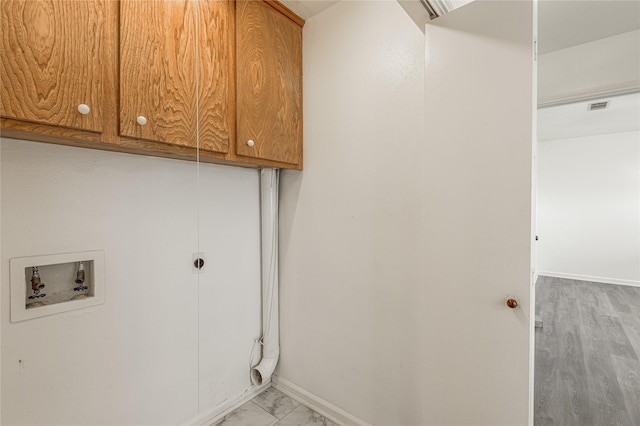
[167,344]
[621,114]
[350,265]
[589,207]
[600,67]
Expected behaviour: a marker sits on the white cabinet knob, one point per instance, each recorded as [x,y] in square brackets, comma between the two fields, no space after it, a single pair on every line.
[84,109]
[141,120]
[250,142]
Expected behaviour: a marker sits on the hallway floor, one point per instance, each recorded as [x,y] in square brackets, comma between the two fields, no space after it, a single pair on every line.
[587,370]
[273,408]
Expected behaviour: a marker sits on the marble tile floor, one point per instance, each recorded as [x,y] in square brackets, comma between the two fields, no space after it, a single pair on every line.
[273,408]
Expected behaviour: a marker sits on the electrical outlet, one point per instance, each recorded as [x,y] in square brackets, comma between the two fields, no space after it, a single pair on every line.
[199,263]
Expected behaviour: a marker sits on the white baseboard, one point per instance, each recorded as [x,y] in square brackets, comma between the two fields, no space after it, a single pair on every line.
[219,412]
[605,280]
[330,411]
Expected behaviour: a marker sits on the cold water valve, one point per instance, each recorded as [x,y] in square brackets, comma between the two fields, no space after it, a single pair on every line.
[80,274]
[80,278]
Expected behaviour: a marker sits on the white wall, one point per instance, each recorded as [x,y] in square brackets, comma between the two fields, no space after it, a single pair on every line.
[589,207]
[350,265]
[167,344]
[600,67]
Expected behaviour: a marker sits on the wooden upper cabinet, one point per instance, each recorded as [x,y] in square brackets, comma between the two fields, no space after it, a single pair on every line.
[165,57]
[269,82]
[51,62]
[155,77]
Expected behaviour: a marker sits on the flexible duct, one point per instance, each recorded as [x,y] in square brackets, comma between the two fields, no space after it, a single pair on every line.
[261,373]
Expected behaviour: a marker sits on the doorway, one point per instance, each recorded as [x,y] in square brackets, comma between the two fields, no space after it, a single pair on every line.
[588,215]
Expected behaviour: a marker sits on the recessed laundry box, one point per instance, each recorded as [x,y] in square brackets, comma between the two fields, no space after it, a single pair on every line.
[51,284]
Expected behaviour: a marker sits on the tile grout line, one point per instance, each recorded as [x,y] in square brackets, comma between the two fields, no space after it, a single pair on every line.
[296,404]
[277,419]
[294,409]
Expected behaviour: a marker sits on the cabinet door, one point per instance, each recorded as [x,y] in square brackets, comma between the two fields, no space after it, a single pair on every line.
[215,74]
[157,71]
[51,62]
[158,75]
[269,83]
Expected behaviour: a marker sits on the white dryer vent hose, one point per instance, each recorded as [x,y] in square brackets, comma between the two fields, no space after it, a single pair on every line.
[261,373]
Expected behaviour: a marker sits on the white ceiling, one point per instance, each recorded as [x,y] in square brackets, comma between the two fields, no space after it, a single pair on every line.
[308,8]
[566,23]
[574,120]
[561,23]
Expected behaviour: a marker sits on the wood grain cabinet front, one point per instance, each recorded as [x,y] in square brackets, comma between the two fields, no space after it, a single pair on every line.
[51,62]
[269,82]
[218,80]
[169,51]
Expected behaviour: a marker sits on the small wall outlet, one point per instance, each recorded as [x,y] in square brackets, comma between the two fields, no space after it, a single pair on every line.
[51,284]
[199,265]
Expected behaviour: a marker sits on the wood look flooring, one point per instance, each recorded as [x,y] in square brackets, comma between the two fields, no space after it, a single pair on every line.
[587,370]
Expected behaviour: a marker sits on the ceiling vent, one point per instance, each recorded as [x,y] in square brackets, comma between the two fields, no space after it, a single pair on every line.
[598,105]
